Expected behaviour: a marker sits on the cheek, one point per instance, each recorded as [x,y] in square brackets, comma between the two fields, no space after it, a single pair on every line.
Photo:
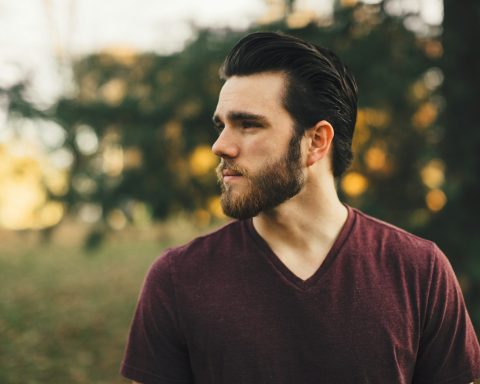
[255,148]
[267,147]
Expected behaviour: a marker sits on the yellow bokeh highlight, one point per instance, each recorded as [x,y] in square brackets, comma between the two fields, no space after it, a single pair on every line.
[433,174]
[301,18]
[348,3]
[189,109]
[51,214]
[202,160]
[25,176]
[202,217]
[368,119]
[173,131]
[122,54]
[215,207]
[116,219]
[376,158]
[20,199]
[354,184]
[56,181]
[425,115]
[276,10]
[113,160]
[435,200]
[132,158]
[361,136]
[141,214]
[373,117]
[418,91]
[113,92]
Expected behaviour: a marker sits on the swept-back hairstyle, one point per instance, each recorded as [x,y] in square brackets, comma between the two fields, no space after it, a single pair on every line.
[319,86]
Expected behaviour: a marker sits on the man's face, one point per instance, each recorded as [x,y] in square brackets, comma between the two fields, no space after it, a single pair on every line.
[261,154]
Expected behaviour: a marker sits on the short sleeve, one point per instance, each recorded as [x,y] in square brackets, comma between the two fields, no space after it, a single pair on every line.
[449,351]
[156,351]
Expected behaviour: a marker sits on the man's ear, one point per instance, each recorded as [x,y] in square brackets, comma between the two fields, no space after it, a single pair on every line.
[320,140]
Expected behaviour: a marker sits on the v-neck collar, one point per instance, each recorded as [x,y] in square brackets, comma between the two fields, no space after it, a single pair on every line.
[280,267]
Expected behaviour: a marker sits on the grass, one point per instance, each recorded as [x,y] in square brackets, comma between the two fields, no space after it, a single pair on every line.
[65,313]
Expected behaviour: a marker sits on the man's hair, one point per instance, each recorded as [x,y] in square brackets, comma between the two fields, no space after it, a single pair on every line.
[319,86]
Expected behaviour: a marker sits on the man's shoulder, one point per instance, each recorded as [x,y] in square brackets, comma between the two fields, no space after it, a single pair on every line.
[375,228]
[216,239]
[213,247]
[382,239]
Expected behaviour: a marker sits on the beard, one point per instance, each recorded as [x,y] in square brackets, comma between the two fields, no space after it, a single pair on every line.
[273,184]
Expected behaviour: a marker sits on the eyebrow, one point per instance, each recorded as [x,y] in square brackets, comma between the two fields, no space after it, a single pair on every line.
[241,116]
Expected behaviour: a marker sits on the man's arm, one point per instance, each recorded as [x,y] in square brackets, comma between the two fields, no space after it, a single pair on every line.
[448,347]
[156,349]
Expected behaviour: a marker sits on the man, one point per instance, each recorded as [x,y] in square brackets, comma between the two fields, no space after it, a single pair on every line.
[302,288]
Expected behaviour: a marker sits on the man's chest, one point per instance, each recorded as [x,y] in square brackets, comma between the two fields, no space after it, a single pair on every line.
[269,331]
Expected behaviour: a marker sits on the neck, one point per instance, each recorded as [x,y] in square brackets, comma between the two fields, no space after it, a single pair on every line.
[305,224]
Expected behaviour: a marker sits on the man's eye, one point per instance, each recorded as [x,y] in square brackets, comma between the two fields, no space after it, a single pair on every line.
[250,124]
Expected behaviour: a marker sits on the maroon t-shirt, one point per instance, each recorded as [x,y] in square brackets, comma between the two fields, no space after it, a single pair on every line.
[384,307]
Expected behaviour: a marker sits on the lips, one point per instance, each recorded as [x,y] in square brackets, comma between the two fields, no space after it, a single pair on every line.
[229,172]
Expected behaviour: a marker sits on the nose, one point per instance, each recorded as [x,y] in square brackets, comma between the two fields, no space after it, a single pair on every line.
[226,145]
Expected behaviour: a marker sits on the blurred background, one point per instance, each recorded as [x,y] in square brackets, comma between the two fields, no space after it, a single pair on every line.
[105,135]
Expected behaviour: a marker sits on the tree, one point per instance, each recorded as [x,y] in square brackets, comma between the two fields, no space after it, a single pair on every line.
[457,226]
[154,113]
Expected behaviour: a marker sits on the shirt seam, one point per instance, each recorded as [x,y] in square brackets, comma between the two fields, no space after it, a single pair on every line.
[429,288]
[390,227]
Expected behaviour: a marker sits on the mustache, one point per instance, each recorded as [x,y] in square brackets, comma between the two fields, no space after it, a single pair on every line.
[226,164]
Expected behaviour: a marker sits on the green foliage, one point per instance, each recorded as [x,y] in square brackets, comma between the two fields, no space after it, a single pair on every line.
[161,107]
[158,108]
[17,102]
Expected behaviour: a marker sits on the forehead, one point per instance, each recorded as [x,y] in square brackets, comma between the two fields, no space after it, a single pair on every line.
[260,93]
